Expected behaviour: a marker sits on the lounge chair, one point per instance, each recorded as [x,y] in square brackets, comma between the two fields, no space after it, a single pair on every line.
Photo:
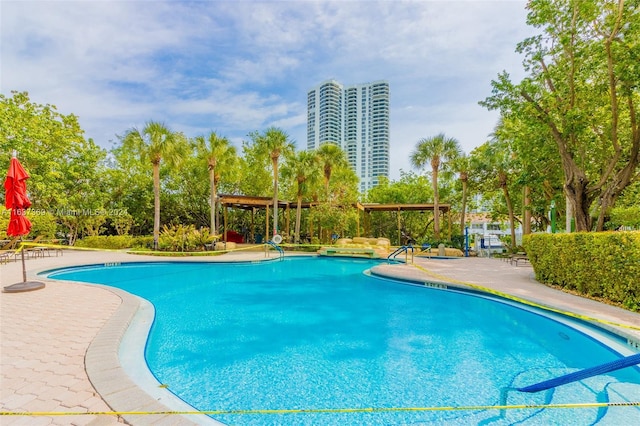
[34,251]
[519,257]
[8,250]
[10,245]
[5,256]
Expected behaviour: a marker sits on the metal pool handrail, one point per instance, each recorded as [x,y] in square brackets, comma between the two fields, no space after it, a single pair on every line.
[584,374]
[277,247]
[399,250]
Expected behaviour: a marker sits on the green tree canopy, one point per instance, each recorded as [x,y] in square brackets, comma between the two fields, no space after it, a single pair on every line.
[582,90]
[330,156]
[66,170]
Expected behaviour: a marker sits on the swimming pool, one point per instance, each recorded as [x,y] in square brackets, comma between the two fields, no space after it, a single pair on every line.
[316,333]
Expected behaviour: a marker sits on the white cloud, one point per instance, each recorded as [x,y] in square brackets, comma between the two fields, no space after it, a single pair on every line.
[239,66]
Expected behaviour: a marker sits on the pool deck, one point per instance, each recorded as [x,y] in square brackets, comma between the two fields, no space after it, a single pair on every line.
[54,339]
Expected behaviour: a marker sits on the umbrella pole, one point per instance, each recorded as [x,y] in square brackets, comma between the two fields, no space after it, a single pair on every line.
[24,269]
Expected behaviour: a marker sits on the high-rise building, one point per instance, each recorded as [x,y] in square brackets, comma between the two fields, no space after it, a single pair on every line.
[356,118]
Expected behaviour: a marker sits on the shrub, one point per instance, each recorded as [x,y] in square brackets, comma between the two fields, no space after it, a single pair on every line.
[115,242]
[143,242]
[184,238]
[111,242]
[603,264]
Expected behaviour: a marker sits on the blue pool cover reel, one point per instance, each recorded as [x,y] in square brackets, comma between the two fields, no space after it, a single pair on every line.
[584,374]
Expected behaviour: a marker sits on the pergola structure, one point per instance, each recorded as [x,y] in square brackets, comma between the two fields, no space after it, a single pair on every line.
[245,202]
[367,208]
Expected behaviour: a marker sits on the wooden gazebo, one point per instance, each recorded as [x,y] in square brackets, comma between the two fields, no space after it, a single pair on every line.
[367,208]
[245,202]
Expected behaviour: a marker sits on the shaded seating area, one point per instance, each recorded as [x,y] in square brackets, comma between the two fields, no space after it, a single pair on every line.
[368,208]
[253,205]
[363,226]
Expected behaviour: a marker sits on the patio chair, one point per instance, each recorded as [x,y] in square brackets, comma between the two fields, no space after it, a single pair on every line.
[5,256]
[8,250]
[519,257]
[34,251]
[10,245]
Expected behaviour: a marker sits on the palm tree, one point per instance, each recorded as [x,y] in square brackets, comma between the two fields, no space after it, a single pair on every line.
[217,151]
[438,151]
[302,167]
[330,156]
[155,143]
[274,143]
[462,165]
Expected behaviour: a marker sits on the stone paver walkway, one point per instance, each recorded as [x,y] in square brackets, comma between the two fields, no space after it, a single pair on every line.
[45,335]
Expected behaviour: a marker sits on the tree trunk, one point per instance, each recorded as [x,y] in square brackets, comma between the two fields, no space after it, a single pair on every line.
[275,195]
[576,191]
[526,221]
[298,217]
[569,215]
[327,177]
[213,199]
[156,205]
[436,206]
[512,217]
[464,206]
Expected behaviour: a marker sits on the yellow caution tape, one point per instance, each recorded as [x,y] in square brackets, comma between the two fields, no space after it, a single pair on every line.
[331,410]
[61,247]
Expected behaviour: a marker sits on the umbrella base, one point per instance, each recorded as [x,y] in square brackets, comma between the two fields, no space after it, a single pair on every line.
[25,286]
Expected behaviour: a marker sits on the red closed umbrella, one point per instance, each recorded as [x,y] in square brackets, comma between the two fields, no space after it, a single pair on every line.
[16,199]
[15,186]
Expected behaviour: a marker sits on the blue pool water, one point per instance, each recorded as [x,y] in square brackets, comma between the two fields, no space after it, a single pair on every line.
[316,333]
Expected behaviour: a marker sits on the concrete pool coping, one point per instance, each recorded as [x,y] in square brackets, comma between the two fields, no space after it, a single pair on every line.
[118,390]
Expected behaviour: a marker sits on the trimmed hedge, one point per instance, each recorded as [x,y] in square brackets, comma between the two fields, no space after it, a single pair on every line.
[597,264]
[115,242]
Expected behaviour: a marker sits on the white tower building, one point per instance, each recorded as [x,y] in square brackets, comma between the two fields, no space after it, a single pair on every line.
[356,118]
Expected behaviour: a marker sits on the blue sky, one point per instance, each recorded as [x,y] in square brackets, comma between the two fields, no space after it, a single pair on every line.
[239,66]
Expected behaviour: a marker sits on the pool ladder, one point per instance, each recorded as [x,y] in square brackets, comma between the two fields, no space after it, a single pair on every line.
[275,246]
[399,250]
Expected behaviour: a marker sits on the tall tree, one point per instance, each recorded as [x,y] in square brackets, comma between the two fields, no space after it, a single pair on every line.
[583,89]
[337,217]
[216,151]
[330,156]
[155,143]
[494,162]
[302,167]
[436,151]
[462,166]
[67,170]
[274,143]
